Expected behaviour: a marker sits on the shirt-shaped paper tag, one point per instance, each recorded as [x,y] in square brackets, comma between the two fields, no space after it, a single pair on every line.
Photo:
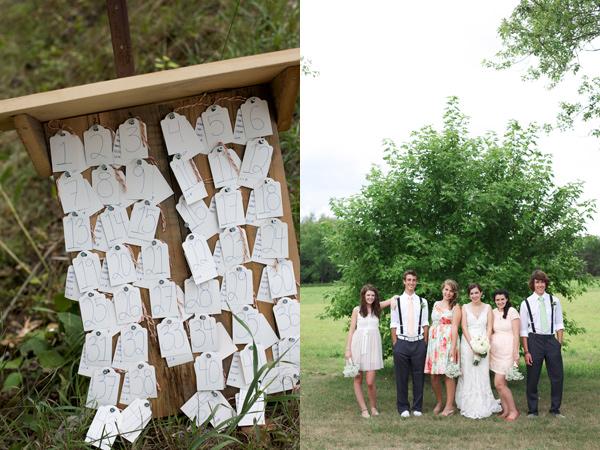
[287,317]
[265,335]
[98,348]
[128,304]
[172,338]
[204,298]
[209,372]
[99,238]
[133,141]
[271,241]
[189,179]
[76,194]
[255,412]
[199,130]
[145,182]
[142,226]
[66,152]
[264,291]
[106,184]
[115,225]
[98,146]
[104,428]
[233,247]
[235,376]
[87,270]
[104,388]
[77,229]
[199,258]
[256,163]
[226,345]
[121,268]
[139,383]
[236,289]
[217,125]
[224,166]
[180,136]
[282,280]
[97,311]
[247,360]
[289,350]
[163,299]
[72,291]
[155,260]
[268,199]
[203,334]
[239,134]
[230,209]
[257,122]
[134,419]
[134,343]
[199,218]
[245,324]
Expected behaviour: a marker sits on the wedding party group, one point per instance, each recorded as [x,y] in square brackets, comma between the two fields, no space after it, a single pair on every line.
[490,341]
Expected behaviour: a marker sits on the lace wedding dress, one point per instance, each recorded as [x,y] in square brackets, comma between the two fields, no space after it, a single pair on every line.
[474,395]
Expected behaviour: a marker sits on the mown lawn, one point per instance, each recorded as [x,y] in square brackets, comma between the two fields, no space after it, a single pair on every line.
[330,417]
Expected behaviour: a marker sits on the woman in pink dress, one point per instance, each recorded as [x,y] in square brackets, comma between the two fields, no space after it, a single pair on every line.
[504,350]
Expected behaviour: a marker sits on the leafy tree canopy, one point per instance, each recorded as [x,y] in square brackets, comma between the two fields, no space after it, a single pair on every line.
[475,209]
[316,266]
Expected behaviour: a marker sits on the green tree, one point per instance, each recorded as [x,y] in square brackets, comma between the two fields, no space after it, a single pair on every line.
[316,266]
[590,253]
[552,34]
[475,209]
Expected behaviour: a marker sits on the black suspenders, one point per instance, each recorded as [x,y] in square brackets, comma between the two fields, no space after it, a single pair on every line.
[400,316]
[551,315]
[530,315]
[420,315]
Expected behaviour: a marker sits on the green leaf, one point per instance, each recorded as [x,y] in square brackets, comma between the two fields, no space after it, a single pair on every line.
[12,364]
[72,324]
[13,380]
[34,344]
[61,303]
[50,359]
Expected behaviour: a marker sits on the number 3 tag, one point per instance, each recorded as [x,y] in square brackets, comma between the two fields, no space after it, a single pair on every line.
[133,143]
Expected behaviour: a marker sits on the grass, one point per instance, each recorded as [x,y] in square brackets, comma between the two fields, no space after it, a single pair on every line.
[330,416]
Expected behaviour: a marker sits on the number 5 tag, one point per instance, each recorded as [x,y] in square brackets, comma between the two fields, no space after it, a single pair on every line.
[217,125]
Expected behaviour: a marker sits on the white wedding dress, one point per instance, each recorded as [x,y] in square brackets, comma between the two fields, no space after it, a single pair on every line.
[474,395]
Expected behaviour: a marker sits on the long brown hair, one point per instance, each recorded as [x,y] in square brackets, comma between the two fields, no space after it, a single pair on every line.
[453,285]
[375,308]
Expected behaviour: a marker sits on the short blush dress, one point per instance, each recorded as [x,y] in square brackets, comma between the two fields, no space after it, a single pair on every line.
[366,343]
[501,343]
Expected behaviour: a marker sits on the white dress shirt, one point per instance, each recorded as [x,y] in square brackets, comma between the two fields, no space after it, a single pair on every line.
[395,318]
[535,312]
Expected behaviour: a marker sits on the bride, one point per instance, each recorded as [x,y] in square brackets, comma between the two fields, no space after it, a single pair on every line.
[474,395]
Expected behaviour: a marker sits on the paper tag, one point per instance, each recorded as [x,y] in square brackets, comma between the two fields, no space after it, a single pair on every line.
[172,337]
[84,368]
[217,125]
[224,166]
[98,146]
[105,185]
[134,343]
[98,348]
[178,360]
[87,270]
[199,218]
[289,350]
[128,304]
[199,130]
[104,279]
[226,345]
[268,199]
[163,299]
[104,388]
[203,334]
[256,163]
[287,317]
[180,136]
[115,225]
[104,429]
[239,134]
[204,298]
[72,291]
[66,152]
[77,229]
[281,379]
[76,194]
[256,412]
[247,360]
[282,281]
[248,317]
[257,122]
[134,419]
[199,258]
[189,179]
[97,311]
[139,383]
[142,226]
[236,289]
[121,268]
[265,335]
[145,182]
[251,218]
[219,408]
[271,241]
[230,209]
[209,372]
[235,377]
[264,291]
[133,141]
[118,362]
[196,408]
[155,260]
[99,238]
[234,247]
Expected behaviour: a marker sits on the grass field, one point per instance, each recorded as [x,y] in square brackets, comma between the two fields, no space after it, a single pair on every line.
[330,416]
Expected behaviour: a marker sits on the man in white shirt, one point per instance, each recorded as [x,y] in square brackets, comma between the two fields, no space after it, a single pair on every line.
[542,336]
[409,325]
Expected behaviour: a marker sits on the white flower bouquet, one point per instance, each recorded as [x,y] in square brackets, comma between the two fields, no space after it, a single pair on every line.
[452,370]
[350,369]
[480,346]
[513,374]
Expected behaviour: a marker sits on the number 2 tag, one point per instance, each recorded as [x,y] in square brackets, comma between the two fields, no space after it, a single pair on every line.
[209,372]
[256,163]
[98,145]
[172,338]
[217,125]
[203,334]
[66,152]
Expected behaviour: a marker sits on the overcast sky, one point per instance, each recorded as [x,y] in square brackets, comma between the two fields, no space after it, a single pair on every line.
[387,68]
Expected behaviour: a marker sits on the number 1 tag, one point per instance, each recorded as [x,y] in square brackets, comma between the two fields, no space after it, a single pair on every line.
[209,372]
[172,338]
[204,298]
[257,122]
[142,226]
[121,268]
[287,317]
[139,383]
[199,258]
[66,152]
[128,304]
[98,145]
[87,270]
[155,260]
[189,179]
[180,136]
[224,166]
[98,348]
[163,299]
[247,316]
[256,163]
[133,141]
[104,388]
[115,225]
[230,209]
[77,229]
[203,334]
[217,125]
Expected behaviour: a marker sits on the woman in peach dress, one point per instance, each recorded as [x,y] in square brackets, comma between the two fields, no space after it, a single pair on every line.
[504,350]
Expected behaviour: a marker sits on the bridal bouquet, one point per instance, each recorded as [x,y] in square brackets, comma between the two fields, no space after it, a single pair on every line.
[350,369]
[480,346]
[452,369]
[513,374]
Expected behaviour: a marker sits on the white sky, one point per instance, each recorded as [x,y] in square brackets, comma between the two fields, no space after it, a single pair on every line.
[387,68]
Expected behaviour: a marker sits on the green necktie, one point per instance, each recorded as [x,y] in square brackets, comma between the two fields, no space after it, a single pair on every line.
[543,315]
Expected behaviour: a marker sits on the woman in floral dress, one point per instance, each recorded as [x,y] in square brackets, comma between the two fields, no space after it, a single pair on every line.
[442,347]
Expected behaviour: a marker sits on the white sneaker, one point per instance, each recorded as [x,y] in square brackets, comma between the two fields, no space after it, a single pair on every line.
[417,413]
[405,414]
